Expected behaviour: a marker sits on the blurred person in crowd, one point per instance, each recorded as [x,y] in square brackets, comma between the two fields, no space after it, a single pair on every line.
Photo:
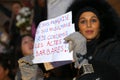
[24,47]
[27,70]
[6,72]
[99,26]
[16,6]
[39,13]
[4,38]
[13,30]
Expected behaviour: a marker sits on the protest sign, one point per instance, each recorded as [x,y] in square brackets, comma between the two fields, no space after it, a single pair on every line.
[49,45]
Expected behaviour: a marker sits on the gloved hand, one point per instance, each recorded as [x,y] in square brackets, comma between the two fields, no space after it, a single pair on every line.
[29,71]
[77,44]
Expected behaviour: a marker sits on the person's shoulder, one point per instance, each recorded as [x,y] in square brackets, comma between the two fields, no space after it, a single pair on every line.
[116,47]
[115,43]
[110,42]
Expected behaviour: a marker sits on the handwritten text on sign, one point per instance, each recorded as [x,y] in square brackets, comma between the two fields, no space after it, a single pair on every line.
[49,43]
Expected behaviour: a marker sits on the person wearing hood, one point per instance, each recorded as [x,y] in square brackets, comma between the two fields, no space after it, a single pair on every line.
[97,21]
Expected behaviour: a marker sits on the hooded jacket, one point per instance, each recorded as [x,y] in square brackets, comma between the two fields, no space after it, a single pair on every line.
[106,49]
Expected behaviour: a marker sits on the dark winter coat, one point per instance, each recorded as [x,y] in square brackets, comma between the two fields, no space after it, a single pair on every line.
[109,53]
[106,60]
[106,50]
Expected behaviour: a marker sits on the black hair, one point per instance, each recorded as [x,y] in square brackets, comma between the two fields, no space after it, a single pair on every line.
[18,50]
[40,12]
[109,19]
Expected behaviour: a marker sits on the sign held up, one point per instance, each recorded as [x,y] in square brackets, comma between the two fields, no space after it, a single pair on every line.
[49,45]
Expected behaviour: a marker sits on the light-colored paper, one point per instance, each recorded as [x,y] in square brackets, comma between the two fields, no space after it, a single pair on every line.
[49,45]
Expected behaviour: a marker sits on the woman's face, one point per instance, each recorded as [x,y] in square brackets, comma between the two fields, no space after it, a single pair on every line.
[15,8]
[27,45]
[89,25]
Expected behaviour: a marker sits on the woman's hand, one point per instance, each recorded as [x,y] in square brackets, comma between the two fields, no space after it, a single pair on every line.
[77,44]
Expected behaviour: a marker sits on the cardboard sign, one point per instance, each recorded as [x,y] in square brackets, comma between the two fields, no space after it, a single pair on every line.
[49,45]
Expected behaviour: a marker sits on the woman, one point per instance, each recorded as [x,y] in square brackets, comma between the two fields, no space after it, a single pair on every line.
[24,48]
[39,13]
[97,22]
[12,29]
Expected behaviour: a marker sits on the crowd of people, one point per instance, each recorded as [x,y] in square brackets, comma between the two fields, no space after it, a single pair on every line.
[95,20]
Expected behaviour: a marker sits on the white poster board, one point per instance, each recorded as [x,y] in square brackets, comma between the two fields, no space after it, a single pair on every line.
[49,45]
